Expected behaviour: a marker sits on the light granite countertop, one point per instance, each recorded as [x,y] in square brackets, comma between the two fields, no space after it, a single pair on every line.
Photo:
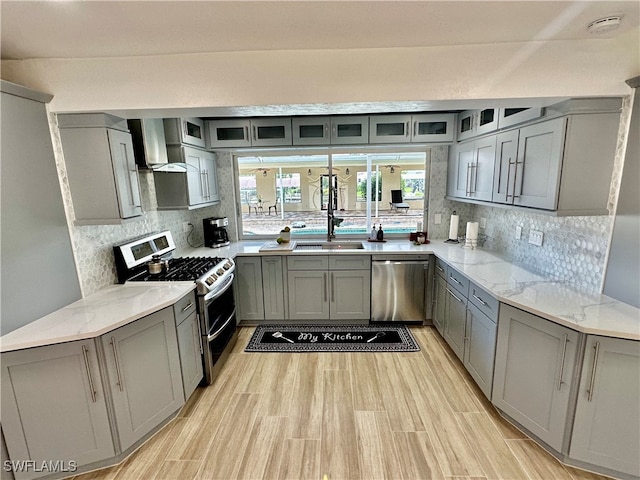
[510,283]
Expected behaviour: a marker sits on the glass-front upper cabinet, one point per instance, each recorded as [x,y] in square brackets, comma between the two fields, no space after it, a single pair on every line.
[477,122]
[349,130]
[508,117]
[433,127]
[257,132]
[267,132]
[189,131]
[311,130]
[390,129]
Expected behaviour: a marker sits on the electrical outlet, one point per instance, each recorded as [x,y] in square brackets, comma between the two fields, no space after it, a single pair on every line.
[483,222]
[186,227]
[518,232]
[437,219]
[535,237]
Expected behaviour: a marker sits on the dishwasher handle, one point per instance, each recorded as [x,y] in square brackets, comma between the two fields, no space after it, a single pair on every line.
[401,262]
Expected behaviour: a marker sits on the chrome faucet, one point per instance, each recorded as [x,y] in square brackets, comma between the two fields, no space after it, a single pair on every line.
[333,221]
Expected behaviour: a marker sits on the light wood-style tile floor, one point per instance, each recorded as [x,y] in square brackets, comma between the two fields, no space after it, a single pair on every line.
[345,415]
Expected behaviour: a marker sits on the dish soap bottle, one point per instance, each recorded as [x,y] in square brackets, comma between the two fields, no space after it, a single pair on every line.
[372,235]
[380,234]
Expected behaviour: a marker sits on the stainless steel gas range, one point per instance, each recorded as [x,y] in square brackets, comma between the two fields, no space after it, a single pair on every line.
[149,259]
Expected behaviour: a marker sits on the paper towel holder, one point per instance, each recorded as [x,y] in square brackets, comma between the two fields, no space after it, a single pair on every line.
[454,239]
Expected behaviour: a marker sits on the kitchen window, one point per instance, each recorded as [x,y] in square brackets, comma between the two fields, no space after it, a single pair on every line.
[292,189]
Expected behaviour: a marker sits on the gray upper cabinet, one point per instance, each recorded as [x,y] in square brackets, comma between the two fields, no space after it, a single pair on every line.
[606,430]
[101,167]
[255,132]
[534,370]
[505,167]
[144,376]
[390,128]
[433,127]
[407,128]
[54,407]
[339,130]
[471,169]
[187,131]
[473,123]
[193,184]
[508,117]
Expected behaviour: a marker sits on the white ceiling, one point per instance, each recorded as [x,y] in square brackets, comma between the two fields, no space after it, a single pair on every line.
[82,29]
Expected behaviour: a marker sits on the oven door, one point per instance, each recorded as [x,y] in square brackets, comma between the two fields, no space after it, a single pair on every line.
[218,326]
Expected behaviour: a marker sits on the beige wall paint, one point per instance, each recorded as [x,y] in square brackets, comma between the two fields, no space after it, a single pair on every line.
[495,71]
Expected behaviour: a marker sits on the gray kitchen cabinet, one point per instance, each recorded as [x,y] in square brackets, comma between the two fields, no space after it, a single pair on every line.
[606,430]
[255,132]
[273,288]
[144,375]
[101,167]
[504,175]
[480,347]
[440,300]
[349,129]
[510,116]
[471,169]
[390,128]
[335,288]
[423,128]
[249,289]
[433,127]
[189,343]
[311,130]
[187,131]
[54,407]
[454,326]
[473,123]
[192,183]
[534,371]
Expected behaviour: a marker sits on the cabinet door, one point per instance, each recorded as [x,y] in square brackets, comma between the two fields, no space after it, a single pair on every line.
[534,368]
[433,128]
[273,285]
[126,173]
[486,121]
[480,348]
[53,405]
[311,130]
[455,323]
[196,183]
[228,133]
[349,130]
[466,124]
[308,295]
[481,175]
[459,171]
[440,310]
[540,149]
[350,294]
[143,365]
[267,132]
[190,348]
[250,304]
[504,175]
[508,117]
[189,131]
[209,173]
[606,429]
[390,129]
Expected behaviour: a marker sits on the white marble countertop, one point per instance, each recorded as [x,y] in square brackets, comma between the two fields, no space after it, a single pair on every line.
[511,283]
[99,313]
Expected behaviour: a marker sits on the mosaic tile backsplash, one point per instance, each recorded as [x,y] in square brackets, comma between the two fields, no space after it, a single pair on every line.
[574,248]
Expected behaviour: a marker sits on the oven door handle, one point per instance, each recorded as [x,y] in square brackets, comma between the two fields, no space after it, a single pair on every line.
[216,293]
[211,337]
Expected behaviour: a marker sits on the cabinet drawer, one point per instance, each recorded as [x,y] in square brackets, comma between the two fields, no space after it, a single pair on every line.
[485,302]
[441,268]
[308,262]
[350,262]
[458,281]
[184,307]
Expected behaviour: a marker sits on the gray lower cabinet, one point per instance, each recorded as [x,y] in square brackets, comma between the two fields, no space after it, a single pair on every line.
[189,343]
[480,347]
[606,431]
[259,289]
[440,300]
[336,288]
[456,311]
[143,369]
[53,406]
[534,368]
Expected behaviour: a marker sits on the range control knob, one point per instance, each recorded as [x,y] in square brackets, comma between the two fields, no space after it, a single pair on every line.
[220,271]
[226,266]
[210,280]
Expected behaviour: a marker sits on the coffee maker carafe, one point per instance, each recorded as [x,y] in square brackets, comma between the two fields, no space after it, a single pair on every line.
[215,232]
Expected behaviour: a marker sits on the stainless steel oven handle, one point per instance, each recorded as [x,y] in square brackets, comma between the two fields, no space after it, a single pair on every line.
[216,293]
[211,337]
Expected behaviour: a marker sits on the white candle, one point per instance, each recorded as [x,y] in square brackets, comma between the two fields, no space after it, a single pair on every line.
[453,227]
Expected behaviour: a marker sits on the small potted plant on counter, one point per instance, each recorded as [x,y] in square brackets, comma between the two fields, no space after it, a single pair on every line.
[285,235]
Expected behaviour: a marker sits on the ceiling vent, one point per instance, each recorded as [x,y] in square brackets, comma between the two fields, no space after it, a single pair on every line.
[604,25]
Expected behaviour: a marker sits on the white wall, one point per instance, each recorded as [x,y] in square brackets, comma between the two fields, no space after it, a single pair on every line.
[416,76]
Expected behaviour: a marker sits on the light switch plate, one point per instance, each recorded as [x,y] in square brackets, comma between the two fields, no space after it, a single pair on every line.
[518,232]
[483,222]
[535,237]
[437,220]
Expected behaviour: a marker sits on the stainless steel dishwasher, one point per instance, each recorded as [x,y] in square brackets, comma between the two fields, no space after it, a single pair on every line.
[400,288]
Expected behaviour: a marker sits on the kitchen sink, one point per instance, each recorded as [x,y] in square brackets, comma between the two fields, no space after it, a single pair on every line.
[329,246]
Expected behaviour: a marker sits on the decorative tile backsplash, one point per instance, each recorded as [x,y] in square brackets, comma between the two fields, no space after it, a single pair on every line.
[574,248]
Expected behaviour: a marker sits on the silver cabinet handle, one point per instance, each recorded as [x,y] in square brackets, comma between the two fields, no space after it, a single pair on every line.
[333,288]
[593,371]
[326,129]
[474,178]
[454,296]
[85,354]
[456,281]
[407,132]
[187,307]
[115,358]
[246,133]
[255,137]
[415,128]
[467,187]
[564,354]
[324,275]
[508,176]
[439,268]
[515,177]
[480,300]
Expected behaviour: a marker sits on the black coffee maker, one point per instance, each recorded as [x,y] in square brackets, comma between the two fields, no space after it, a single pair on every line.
[215,232]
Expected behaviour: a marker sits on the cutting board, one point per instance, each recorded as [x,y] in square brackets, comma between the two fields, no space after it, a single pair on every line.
[277,247]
